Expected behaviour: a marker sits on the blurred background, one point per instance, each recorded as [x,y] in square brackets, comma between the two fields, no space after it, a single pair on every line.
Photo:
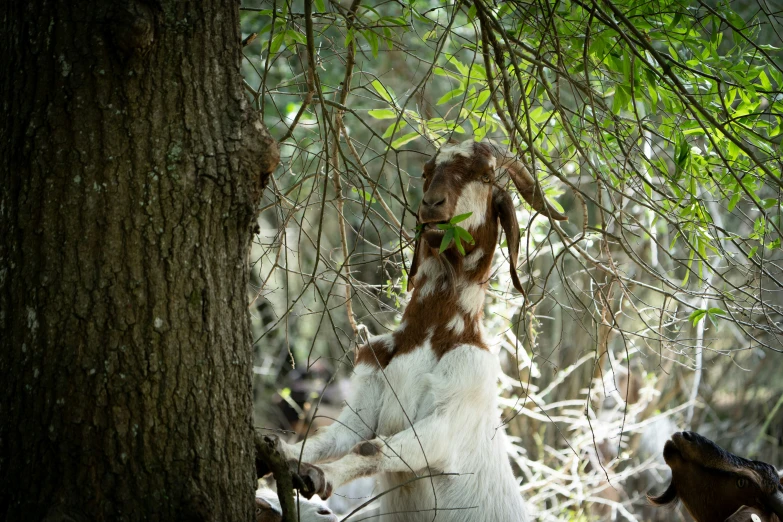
[655,308]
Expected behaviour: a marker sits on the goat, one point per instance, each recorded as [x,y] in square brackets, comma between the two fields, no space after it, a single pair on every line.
[717,486]
[268,509]
[423,412]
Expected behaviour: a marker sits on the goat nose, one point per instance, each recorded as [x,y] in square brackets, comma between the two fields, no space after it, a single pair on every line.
[434,200]
[687,435]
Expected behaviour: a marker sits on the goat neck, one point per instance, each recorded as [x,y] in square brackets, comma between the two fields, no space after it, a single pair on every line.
[447,304]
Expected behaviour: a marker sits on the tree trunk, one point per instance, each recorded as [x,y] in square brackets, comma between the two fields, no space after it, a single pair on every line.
[130,175]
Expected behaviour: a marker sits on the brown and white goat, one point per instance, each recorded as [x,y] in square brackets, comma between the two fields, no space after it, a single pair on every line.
[718,486]
[423,412]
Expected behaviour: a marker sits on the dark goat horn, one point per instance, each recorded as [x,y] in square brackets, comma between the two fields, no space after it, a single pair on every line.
[528,187]
[776,503]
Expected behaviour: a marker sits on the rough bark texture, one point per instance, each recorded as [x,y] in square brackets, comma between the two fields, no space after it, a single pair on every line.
[130,171]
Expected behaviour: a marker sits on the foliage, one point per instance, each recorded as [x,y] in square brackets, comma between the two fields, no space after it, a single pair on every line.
[657,123]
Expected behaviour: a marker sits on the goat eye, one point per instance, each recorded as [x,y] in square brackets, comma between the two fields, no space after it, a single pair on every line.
[485,178]
[741,482]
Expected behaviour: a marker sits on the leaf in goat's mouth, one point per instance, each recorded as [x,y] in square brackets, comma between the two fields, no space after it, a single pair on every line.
[456,233]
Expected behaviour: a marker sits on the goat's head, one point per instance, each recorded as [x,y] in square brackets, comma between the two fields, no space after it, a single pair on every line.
[714,484]
[461,179]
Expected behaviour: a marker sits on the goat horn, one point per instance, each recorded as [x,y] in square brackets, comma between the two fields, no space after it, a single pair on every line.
[776,503]
[528,186]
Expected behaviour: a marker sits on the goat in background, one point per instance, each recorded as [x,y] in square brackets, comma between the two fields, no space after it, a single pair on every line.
[423,413]
[718,486]
[268,509]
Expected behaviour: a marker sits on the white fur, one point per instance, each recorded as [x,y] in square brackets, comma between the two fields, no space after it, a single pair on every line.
[433,271]
[428,417]
[452,405]
[470,263]
[385,340]
[471,299]
[473,198]
[357,421]
[447,152]
[456,324]
[308,509]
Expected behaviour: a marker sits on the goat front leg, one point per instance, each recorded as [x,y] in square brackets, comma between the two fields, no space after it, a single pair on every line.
[423,447]
[357,421]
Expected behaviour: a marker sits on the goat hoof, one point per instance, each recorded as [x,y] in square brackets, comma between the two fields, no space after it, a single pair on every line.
[313,482]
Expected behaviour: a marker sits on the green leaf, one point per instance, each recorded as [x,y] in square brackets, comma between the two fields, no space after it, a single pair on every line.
[464,235]
[382,91]
[394,127]
[734,200]
[450,95]
[458,243]
[319,6]
[446,241]
[402,140]
[482,98]
[372,39]
[277,41]
[764,79]
[471,13]
[295,36]
[366,195]
[460,218]
[697,316]
[713,314]
[382,114]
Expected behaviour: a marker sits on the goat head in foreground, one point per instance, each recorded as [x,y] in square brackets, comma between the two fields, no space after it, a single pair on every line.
[718,486]
[423,414]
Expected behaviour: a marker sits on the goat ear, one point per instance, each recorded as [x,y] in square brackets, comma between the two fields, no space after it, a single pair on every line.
[504,208]
[414,265]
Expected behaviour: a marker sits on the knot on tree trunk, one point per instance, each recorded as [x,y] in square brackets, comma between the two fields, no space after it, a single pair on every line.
[259,154]
[133,27]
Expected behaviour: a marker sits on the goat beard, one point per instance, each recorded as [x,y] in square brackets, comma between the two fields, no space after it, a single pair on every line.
[667,497]
[448,273]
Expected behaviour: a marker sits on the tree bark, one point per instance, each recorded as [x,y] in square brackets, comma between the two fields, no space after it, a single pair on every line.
[130,173]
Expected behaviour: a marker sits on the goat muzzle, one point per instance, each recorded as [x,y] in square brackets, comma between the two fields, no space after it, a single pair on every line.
[432,234]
